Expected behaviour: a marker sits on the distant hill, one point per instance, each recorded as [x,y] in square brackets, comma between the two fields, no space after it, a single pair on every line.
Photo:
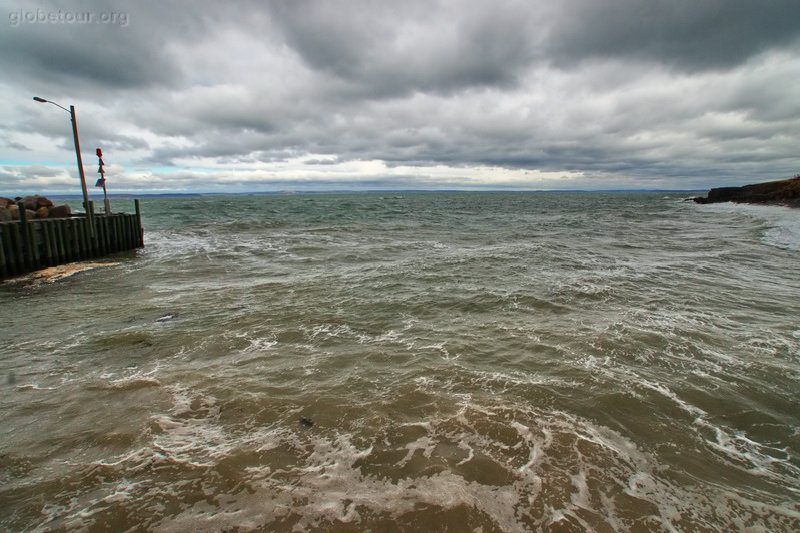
[781,192]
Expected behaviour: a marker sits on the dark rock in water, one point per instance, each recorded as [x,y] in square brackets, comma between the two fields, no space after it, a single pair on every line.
[781,192]
[306,422]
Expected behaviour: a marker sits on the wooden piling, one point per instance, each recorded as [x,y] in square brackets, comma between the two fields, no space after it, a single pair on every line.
[44,226]
[24,235]
[83,232]
[19,261]
[139,223]
[75,240]
[3,240]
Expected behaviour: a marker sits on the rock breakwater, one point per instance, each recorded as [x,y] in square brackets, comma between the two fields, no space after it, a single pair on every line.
[35,207]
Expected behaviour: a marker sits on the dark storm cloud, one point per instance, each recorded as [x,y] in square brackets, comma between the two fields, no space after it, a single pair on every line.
[391,49]
[687,34]
[97,45]
[75,60]
[96,56]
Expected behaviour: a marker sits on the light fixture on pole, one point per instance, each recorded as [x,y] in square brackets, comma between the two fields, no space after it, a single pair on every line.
[75,139]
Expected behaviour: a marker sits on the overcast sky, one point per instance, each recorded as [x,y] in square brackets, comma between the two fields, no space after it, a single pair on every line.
[206,95]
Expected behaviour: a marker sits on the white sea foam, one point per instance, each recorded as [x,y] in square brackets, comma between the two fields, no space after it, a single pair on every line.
[33,387]
[783,223]
[785,230]
[125,384]
[582,465]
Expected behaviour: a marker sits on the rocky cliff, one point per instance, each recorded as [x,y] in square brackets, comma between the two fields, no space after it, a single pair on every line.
[781,192]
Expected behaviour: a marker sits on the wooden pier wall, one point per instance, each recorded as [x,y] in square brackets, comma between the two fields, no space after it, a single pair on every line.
[28,245]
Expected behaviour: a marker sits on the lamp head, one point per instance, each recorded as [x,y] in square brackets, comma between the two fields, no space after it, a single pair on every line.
[38,99]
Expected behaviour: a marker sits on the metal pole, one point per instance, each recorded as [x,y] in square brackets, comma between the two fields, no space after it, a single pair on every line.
[80,168]
[106,202]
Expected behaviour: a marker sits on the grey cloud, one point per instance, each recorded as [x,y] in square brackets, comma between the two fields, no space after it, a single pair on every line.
[15,145]
[93,58]
[75,59]
[686,34]
[391,50]
[56,124]
[618,89]
[34,170]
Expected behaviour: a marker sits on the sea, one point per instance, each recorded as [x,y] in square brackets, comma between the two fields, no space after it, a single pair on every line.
[412,361]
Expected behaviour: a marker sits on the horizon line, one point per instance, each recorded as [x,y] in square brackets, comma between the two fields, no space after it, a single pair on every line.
[127,194]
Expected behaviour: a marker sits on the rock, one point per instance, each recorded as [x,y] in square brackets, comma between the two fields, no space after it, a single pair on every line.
[781,192]
[36,206]
[31,203]
[35,202]
[43,201]
[60,211]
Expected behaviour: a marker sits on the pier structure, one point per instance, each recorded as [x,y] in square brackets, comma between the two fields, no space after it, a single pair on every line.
[28,244]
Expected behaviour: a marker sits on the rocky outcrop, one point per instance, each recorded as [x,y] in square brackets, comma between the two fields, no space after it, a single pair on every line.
[781,192]
[35,207]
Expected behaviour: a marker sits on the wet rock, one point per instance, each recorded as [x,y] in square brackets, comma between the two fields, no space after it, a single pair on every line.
[306,422]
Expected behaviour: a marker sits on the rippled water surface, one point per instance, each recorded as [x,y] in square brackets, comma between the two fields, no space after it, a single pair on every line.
[413,362]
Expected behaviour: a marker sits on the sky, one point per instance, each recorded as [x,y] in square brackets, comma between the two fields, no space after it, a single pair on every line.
[301,95]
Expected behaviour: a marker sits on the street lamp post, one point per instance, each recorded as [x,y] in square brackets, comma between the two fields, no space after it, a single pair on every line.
[77,142]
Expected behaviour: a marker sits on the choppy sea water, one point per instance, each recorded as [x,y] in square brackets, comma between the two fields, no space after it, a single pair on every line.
[413,362]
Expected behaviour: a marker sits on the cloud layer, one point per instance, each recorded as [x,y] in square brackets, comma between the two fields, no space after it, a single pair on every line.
[308,94]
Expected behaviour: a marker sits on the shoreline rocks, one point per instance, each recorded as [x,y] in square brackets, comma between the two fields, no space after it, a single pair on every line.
[35,206]
[781,192]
